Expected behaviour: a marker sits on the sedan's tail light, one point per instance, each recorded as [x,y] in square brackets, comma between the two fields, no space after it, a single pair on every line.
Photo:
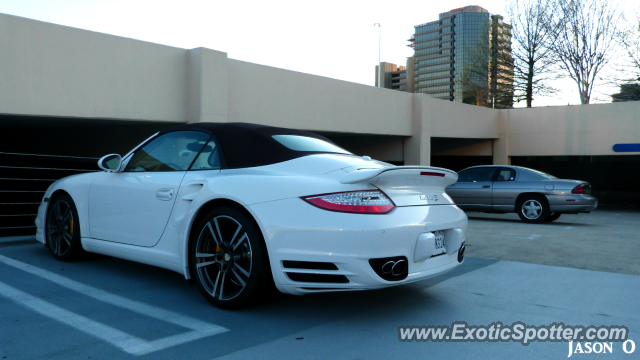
[580,189]
[360,202]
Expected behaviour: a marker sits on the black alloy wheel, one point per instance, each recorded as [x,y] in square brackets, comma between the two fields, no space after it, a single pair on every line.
[228,259]
[63,228]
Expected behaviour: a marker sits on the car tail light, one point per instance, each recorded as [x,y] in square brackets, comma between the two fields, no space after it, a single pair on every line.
[360,202]
[580,189]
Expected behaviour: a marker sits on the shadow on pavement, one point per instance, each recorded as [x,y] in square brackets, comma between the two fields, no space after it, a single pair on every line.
[518,221]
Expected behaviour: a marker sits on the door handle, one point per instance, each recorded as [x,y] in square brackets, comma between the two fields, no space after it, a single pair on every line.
[164,194]
[486,186]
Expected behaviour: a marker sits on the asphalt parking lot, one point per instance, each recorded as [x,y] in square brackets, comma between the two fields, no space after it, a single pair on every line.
[580,270]
[607,239]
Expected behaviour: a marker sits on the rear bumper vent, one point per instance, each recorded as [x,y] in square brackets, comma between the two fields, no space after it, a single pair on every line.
[309,265]
[318,278]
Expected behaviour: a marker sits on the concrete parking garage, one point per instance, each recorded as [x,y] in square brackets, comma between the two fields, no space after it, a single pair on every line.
[77,95]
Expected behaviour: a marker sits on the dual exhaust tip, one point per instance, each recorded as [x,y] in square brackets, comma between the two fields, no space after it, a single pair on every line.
[394,268]
[397,268]
[461,253]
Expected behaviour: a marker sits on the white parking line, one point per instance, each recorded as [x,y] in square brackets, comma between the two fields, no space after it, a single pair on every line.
[554,227]
[116,337]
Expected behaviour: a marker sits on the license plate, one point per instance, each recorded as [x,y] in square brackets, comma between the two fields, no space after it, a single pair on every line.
[441,245]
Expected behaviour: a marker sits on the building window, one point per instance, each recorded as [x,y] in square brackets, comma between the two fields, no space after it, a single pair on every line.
[434,60]
[446,29]
[432,67]
[425,28]
[434,81]
[427,50]
[424,37]
[434,74]
[441,87]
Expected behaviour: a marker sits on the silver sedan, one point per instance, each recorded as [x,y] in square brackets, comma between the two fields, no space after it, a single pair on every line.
[533,195]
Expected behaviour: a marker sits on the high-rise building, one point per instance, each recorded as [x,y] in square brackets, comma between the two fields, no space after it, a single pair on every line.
[392,76]
[500,94]
[447,49]
[396,77]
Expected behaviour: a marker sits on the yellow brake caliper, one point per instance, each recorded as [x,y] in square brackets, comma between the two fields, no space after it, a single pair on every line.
[218,250]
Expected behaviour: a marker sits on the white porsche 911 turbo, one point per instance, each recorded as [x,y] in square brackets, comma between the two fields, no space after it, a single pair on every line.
[238,207]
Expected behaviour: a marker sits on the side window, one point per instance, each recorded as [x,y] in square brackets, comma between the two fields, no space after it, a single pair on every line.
[476,174]
[506,175]
[209,158]
[173,151]
[465,176]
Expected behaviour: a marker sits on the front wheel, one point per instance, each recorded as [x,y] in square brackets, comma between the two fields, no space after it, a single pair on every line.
[228,259]
[63,228]
[533,209]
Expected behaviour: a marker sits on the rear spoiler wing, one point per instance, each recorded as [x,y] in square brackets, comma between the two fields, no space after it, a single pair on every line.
[373,175]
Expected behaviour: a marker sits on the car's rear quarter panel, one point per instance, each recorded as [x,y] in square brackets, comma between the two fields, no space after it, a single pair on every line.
[296,230]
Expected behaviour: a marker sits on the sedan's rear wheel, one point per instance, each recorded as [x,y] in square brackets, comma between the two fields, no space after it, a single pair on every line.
[63,228]
[533,208]
[553,216]
[228,259]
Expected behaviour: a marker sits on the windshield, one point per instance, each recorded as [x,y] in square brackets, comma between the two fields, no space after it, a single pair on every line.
[305,143]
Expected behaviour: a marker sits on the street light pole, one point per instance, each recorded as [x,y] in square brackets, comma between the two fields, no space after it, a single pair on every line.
[379,63]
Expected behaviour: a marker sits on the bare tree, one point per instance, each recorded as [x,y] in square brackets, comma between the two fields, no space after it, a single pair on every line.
[586,31]
[629,66]
[630,40]
[487,78]
[475,75]
[532,41]
[500,64]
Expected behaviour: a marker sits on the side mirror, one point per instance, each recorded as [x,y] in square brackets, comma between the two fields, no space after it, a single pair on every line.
[110,163]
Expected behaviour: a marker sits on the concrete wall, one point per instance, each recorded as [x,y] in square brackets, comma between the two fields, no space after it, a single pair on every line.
[272,96]
[54,71]
[207,86]
[452,119]
[573,130]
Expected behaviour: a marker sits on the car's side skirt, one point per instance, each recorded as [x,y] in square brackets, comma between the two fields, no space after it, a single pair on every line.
[503,208]
[145,255]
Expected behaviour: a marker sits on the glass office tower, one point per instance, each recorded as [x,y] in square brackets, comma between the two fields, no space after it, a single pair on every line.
[444,49]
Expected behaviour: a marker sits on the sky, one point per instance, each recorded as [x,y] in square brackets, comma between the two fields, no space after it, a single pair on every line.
[335,39]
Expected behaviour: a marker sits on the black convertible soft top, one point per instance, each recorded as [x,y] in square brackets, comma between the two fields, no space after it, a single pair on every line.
[248,145]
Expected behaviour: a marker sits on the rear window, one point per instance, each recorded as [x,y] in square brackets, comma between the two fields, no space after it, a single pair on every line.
[304,143]
[543,174]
